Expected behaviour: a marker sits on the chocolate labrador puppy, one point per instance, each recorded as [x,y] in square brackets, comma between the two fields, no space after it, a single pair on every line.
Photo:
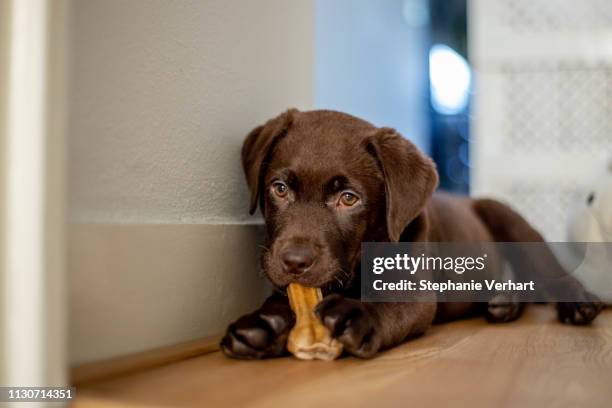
[325,182]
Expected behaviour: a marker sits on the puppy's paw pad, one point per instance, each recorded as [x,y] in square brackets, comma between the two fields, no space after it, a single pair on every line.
[502,308]
[236,346]
[583,311]
[579,313]
[256,336]
[350,322]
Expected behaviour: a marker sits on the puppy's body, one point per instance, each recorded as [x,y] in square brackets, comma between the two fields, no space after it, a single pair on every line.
[326,182]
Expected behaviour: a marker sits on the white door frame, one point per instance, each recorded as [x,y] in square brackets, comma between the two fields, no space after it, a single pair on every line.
[31,135]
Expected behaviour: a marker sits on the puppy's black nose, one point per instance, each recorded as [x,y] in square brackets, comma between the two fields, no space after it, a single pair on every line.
[297,260]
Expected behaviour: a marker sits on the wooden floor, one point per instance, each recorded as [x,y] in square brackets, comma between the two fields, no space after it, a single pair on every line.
[535,362]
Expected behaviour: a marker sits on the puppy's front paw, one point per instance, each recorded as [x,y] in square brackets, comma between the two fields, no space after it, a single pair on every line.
[580,312]
[503,308]
[258,335]
[351,323]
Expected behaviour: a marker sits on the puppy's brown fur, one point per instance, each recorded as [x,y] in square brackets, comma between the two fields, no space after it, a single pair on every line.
[326,182]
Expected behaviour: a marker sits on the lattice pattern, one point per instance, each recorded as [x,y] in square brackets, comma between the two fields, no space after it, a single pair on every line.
[556,15]
[558,108]
[545,206]
[552,105]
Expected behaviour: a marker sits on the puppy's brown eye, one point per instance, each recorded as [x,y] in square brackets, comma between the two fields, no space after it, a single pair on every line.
[348,199]
[280,189]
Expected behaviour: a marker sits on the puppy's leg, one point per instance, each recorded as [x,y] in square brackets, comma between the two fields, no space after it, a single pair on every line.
[261,334]
[507,226]
[365,328]
[504,306]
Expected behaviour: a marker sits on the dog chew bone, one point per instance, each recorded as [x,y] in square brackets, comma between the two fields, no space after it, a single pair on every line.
[309,339]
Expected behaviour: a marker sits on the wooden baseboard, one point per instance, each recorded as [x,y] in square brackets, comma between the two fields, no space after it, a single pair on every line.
[118,366]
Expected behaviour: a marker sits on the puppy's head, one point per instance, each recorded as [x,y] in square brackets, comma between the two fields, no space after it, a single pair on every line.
[325,182]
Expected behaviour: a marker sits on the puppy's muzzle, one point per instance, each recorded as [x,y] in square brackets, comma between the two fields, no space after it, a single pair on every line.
[297,258]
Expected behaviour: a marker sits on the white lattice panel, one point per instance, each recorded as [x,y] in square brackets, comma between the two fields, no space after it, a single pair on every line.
[556,15]
[545,206]
[558,108]
[542,122]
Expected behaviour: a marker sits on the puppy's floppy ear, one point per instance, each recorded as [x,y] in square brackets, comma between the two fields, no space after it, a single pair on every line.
[410,178]
[257,148]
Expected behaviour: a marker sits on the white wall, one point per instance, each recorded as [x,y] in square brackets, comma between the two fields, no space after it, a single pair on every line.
[162,95]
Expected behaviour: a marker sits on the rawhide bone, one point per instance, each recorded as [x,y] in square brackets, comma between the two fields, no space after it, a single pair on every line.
[309,339]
